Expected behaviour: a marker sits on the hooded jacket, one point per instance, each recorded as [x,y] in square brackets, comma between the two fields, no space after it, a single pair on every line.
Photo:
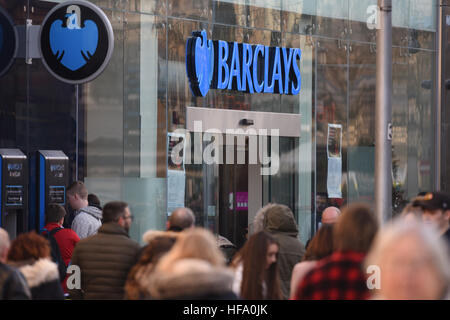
[227,247]
[150,235]
[87,221]
[42,277]
[104,261]
[190,279]
[281,224]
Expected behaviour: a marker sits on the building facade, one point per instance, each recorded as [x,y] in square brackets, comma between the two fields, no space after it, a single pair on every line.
[120,130]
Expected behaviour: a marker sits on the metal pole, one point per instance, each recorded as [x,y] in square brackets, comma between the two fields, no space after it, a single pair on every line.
[383,114]
[439,92]
[76,130]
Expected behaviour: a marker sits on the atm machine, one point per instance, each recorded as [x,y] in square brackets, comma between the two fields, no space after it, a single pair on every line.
[13,191]
[51,183]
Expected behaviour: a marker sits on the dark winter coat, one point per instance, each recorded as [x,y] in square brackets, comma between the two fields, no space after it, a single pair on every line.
[282,225]
[190,279]
[12,284]
[104,260]
[42,277]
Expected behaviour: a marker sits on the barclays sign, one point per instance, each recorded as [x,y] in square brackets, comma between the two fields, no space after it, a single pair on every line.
[240,66]
[76,41]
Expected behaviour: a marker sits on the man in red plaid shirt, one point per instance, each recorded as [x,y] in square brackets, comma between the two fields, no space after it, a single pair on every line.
[340,276]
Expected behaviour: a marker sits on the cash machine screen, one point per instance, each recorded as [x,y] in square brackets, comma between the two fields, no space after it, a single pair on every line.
[57,194]
[14,192]
[14,195]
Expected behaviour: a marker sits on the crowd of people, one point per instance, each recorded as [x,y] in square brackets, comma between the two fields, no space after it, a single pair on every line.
[350,256]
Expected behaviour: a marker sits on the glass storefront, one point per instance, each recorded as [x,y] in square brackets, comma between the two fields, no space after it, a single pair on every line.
[127,116]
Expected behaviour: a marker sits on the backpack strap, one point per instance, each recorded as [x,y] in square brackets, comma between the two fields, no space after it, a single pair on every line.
[52,233]
[59,260]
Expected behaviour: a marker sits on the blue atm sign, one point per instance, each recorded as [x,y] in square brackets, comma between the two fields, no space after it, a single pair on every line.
[240,66]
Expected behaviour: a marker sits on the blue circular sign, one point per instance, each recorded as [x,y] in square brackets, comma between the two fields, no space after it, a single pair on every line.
[76,41]
[8,42]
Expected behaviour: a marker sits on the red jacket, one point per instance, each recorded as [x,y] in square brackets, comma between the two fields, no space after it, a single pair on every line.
[66,239]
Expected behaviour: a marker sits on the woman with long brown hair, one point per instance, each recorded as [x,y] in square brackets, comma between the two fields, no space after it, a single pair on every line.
[256,269]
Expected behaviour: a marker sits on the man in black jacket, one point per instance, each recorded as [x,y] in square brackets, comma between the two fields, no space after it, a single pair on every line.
[12,283]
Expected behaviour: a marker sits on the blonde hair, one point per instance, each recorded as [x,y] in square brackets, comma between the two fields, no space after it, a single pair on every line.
[195,243]
[78,188]
[400,228]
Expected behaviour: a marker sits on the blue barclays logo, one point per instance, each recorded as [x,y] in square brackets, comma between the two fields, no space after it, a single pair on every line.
[200,62]
[240,66]
[74,45]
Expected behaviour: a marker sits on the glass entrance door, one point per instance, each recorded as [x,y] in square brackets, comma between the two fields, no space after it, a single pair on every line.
[233,200]
[226,196]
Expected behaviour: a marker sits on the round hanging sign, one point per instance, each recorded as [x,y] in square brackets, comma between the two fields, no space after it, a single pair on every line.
[8,42]
[76,41]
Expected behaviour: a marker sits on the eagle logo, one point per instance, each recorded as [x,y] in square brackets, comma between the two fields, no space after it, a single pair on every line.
[199,62]
[73,45]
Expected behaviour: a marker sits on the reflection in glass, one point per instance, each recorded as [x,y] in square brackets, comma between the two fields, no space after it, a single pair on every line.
[126,113]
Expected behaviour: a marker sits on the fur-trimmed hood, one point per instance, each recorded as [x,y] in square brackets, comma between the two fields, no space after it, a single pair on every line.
[190,278]
[224,242]
[150,235]
[39,272]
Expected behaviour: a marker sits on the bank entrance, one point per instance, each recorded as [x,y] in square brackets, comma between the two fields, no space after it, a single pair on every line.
[256,163]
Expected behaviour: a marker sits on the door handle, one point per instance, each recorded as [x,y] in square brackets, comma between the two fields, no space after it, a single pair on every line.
[246,122]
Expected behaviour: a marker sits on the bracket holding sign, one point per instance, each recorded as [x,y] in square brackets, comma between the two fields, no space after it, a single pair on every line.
[28,42]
